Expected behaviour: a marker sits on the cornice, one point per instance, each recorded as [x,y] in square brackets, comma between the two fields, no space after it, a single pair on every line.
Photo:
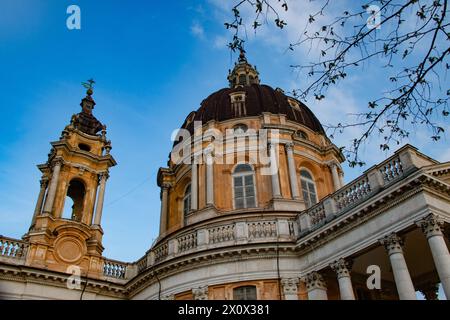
[87,155]
[26,274]
[234,253]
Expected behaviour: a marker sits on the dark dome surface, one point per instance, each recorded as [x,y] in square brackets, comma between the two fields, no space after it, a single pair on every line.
[259,98]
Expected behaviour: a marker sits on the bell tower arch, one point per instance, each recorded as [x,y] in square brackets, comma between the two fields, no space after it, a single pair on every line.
[66,226]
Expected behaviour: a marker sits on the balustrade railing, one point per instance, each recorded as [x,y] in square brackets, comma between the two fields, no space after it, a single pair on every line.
[142,263]
[360,189]
[352,193]
[187,242]
[114,269]
[221,233]
[262,229]
[217,236]
[391,169]
[12,248]
[317,213]
[161,252]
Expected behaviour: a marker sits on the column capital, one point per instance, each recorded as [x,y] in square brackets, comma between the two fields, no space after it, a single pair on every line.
[289,146]
[290,285]
[43,182]
[166,185]
[332,164]
[314,280]
[393,243]
[103,175]
[57,162]
[342,268]
[431,226]
[200,293]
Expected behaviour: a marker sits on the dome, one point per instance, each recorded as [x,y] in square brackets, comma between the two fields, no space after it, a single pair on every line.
[258,98]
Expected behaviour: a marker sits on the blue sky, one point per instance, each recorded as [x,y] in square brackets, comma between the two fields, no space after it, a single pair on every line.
[153,62]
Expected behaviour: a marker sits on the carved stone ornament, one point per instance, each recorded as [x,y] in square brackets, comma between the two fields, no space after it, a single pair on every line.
[431,226]
[314,281]
[341,267]
[200,293]
[290,285]
[393,243]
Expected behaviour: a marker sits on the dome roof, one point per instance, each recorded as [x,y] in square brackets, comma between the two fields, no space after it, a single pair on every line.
[258,98]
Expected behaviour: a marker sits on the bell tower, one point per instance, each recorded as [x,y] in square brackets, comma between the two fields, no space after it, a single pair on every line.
[73,182]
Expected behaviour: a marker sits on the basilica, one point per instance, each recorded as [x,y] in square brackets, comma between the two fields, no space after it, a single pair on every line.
[253,207]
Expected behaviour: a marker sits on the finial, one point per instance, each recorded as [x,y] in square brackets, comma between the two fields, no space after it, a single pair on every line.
[242,55]
[89,85]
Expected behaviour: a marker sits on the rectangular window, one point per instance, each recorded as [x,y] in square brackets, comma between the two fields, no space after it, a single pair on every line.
[244,293]
[244,192]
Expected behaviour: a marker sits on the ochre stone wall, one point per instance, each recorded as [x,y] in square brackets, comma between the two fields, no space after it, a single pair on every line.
[312,154]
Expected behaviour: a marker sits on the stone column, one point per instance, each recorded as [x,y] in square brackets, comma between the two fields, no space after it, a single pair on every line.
[316,286]
[334,172]
[200,293]
[101,197]
[341,179]
[432,228]
[164,206]
[405,287]
[290,288]
[292,171]
[276,193]
[341,267]
[194,184]
[40,200]
[53,185]
[209,179]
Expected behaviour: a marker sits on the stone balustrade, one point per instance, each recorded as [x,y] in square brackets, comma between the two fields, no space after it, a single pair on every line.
[317,213]
[221,233]
[352,193]
[187,242]
[161,252]
[262,229]
[141,264]
[114,269]
[220,236]
[391,169]
[360,189]
[12,248]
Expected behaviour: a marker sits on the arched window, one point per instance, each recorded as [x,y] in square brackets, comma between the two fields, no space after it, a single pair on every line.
[302,134]
[187,200]
[240,128]
[244,293]
[242,79]
[244,187]
[308,188]
[74,200]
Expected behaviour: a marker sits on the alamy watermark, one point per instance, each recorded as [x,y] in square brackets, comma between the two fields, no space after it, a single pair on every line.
[73,21]
[374,280]
[374,19]
[74,281]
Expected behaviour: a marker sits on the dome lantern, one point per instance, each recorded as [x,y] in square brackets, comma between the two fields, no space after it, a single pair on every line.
[243,73]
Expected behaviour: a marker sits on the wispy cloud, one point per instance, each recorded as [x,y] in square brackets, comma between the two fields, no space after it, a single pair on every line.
[197,30]
[220,42]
